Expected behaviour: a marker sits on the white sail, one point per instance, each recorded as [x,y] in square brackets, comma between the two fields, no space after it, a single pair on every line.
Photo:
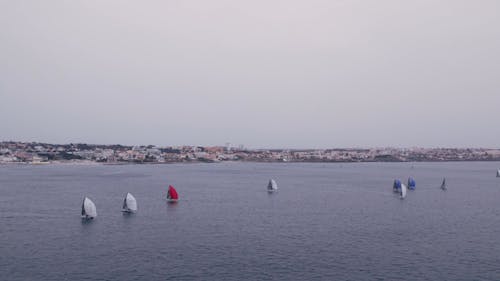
[88,209]
[498,173]
[402,193]
[129,204]
[272,185]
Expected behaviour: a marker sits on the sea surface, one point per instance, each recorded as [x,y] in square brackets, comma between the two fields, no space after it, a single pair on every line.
[326,222]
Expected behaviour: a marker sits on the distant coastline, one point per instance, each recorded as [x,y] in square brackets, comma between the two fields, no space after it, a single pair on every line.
[13,152]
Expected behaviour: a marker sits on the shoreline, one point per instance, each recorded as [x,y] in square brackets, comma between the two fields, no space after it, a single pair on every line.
[94,163]
[42,153]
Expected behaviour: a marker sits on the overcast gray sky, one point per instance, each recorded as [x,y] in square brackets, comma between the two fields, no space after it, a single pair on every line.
[261,73]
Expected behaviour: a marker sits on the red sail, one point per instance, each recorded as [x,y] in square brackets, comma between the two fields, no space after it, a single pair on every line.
[172,193]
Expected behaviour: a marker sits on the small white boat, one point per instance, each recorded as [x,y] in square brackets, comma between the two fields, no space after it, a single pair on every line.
[403,191]
[443,184]
[88,209]
[272,186]
[129,204]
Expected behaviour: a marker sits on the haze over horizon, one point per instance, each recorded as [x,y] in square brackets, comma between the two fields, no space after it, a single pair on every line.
[264,74]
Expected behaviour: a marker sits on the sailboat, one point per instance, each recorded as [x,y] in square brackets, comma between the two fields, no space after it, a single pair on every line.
[88,209]
[402,192]
[396,186]
[443,184]
[172,195]
[411,183]
[498,173]
[272,186]
[129,204]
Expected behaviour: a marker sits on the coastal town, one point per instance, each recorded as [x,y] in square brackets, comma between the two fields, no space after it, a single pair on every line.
[44,153]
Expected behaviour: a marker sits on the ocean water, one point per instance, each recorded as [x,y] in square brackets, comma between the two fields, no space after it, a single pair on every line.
[326,222]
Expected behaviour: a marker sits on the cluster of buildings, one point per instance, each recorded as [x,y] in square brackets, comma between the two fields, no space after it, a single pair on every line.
[38,153]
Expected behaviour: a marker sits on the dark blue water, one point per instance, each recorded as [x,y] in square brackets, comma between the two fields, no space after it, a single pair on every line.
[326,222]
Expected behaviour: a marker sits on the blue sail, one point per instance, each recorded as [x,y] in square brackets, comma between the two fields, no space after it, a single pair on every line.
[411,183]
[396,186]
